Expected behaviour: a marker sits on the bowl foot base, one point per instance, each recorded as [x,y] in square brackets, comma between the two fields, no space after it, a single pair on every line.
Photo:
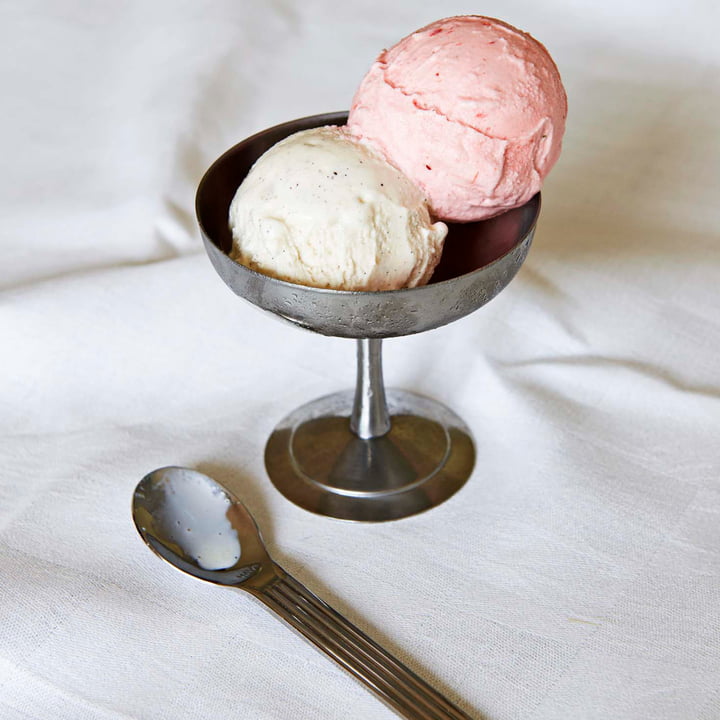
[318,463]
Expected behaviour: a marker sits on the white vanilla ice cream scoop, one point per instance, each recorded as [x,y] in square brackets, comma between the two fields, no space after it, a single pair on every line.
[321,209]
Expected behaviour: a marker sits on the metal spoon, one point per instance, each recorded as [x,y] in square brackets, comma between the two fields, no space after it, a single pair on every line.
[202,529]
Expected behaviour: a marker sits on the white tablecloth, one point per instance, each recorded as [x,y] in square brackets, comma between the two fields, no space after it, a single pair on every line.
[576,575]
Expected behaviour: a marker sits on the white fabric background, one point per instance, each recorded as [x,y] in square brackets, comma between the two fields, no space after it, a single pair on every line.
[576,575]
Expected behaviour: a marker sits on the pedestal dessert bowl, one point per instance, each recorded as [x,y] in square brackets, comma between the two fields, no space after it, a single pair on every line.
[367,454]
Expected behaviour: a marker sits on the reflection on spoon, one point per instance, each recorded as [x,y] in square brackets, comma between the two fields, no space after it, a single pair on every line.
[193,515]
[201,528]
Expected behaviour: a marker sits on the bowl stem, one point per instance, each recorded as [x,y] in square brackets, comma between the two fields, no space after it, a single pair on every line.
[370,417]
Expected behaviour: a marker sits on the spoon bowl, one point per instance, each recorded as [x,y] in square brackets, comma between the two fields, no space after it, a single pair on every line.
[200,527]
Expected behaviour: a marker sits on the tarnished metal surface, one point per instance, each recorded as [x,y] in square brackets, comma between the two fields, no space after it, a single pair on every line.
[487,255]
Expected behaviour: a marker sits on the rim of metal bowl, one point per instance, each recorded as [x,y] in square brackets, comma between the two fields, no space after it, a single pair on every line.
[337,118]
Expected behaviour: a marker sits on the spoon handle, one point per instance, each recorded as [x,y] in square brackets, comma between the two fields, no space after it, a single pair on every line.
[394,683]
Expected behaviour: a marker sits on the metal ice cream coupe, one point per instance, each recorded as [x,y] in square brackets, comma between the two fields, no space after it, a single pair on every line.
[370,454]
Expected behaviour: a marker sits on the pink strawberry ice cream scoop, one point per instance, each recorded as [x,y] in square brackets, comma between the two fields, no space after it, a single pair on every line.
[471,109]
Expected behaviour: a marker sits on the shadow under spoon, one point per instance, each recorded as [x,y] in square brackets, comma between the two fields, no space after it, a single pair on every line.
[201,528]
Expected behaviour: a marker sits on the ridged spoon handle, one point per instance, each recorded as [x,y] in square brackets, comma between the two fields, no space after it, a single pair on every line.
[394,683]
